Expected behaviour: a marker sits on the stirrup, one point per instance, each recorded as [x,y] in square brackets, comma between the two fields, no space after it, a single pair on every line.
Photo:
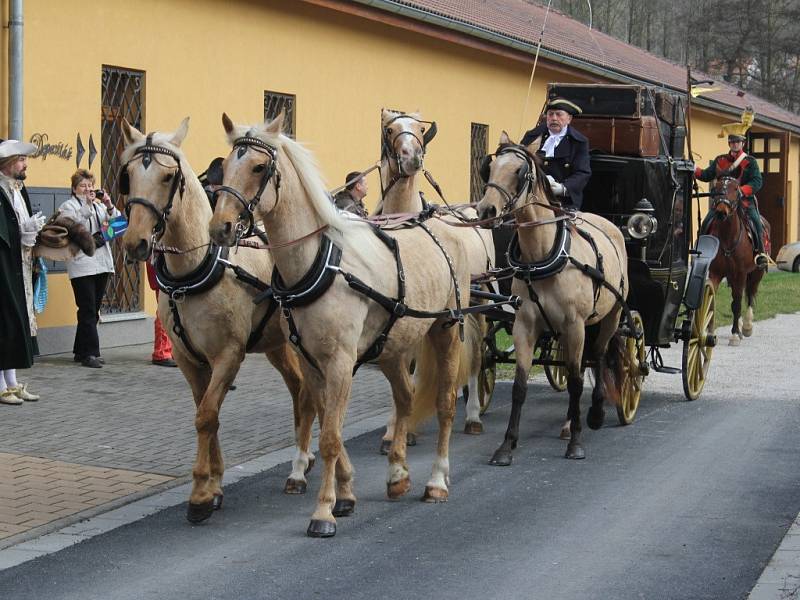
[762,260]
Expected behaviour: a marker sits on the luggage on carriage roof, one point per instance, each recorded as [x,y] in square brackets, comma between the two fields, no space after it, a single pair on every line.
[621,136]
[601,100]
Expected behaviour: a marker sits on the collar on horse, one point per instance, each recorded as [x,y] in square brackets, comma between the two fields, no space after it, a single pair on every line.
[145,153]
[245,143]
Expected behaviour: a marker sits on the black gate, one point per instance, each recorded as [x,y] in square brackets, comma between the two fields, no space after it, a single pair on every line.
[122,97]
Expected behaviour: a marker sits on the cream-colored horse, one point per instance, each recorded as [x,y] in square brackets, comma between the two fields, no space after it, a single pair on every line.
[165,194]
[277,178]
[405,140]
[567,300]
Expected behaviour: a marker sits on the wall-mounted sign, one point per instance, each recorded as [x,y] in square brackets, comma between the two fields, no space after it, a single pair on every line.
[44,148]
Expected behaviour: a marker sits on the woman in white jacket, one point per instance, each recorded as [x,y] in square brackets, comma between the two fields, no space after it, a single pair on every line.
[89,274]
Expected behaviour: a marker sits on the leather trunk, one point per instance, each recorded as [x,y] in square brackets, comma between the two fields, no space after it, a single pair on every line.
[621,136]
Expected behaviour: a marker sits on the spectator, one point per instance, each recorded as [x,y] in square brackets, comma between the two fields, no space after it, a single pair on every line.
[351,198]
[162,347]
[89,274]
[18,230]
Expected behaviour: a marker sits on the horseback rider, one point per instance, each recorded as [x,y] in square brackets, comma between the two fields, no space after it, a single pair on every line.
[564,150]
[744,168]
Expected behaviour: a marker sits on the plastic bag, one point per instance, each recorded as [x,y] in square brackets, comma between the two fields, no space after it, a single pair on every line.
[40,287]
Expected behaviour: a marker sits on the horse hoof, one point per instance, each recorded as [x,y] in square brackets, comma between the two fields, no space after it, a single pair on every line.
[411,439]
[386,445]
[311,462]
[398,488]
[434,495]
[747,332]
[501,458]
[294,486]
[197,513]
[321,529]
[216,501]
[344,508]
[565,433]
[473,427]
[734,340]
[575,452]
[595,418]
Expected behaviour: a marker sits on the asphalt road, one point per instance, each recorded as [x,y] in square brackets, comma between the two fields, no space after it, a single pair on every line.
[689,502]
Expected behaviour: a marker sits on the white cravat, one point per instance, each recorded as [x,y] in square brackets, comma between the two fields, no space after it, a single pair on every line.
[549,146]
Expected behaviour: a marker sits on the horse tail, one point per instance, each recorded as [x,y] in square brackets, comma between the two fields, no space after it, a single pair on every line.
[613,368]
[426,374]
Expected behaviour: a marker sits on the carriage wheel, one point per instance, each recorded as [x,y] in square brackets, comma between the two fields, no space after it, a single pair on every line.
[634,367]
[698,348]
[556,375]
[486,379]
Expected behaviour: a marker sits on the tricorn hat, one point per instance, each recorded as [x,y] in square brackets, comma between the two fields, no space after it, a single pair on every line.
[737,132]
[563,104]
[10,148]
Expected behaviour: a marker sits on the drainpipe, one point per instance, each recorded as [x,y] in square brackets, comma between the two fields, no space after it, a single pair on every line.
[15,70]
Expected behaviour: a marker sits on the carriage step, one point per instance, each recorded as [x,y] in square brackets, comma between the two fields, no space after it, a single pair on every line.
[664,369]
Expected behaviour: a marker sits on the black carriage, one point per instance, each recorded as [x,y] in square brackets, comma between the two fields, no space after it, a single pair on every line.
[642,183]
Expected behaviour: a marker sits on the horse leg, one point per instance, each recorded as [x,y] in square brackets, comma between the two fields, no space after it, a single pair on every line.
[524,340]
[600,352]
[334,386]
[388,436]
[737,288]
[473,423]
[751,290]
[447,347]
[398,481]
[285,360]
[572,341]
[209,466]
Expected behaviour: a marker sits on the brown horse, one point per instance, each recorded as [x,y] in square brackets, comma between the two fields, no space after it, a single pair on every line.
[734,261]
[340,285]
[554,255]
[219,324]
[405,142]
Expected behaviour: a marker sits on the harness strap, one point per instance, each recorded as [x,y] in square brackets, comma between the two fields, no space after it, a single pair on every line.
[459,315]
[178,329]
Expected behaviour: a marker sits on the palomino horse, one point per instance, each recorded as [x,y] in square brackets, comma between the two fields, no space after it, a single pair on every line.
[211,317]
[405,141]
[734,261]
[343,285]
[563,282]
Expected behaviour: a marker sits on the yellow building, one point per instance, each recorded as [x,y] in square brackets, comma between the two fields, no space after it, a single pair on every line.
[333,64]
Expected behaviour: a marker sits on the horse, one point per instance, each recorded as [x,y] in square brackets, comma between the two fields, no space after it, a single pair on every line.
[564,284]
[734,261]
[349,293]
[210,315]
[405,139]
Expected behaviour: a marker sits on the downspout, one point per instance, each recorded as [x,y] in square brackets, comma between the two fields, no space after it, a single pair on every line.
[15,70]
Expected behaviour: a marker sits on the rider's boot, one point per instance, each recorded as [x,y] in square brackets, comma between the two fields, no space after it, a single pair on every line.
[761,258]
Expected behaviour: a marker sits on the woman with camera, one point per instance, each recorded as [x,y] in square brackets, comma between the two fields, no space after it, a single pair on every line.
[89,274]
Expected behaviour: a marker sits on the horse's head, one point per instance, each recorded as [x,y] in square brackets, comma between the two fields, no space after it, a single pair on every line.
[726,196]
[405,140]
[510,173]
[151,177]
[248,170]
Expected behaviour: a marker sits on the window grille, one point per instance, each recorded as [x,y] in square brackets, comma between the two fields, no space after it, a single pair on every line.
[479,140]
[274,102]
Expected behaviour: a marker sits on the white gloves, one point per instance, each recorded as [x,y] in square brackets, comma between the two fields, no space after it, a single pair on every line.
[558,188]
[30,227]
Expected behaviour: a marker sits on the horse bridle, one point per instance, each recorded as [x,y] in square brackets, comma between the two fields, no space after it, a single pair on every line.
[388,146]
[145,153]
[720,196]
[524,179]
[245,143]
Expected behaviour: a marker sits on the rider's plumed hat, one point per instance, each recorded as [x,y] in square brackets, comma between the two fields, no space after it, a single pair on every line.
[737,132]
[563,104]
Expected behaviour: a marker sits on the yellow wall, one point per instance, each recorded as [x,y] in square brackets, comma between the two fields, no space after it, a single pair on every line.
[203,57]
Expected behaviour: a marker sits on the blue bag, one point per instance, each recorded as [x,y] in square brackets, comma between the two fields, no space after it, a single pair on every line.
[40,287]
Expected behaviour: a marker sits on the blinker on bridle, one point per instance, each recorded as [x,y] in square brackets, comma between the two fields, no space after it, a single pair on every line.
[243,144]
[525,176]
[145,154]
[388,146]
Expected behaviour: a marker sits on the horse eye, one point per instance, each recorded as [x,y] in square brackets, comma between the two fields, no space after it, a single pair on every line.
[388,131]
[259,168]
[422,129]
[166,179]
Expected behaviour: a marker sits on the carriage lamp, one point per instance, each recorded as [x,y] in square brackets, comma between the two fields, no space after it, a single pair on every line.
[642,223]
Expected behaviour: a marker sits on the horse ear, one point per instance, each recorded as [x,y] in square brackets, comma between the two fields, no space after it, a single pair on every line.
[534,146]
[504,139]
[276,125]
[180,134]
[227,123]
[130,133]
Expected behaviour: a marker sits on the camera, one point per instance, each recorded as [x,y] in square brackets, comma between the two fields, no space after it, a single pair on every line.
[99,194]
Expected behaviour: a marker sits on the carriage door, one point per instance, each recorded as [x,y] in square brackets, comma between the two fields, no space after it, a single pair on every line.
[122,96]
[770,149]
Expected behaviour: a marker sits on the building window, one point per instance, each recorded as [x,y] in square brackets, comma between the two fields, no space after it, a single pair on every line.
[274,102]
[122,96]
[479,142]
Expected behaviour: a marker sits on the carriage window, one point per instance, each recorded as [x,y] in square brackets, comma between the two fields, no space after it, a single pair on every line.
[479,140]
[274,102]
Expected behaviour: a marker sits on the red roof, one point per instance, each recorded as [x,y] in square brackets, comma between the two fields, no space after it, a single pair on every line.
[522,21]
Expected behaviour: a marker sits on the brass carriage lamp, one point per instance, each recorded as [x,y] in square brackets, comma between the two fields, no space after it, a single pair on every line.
[642,223]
